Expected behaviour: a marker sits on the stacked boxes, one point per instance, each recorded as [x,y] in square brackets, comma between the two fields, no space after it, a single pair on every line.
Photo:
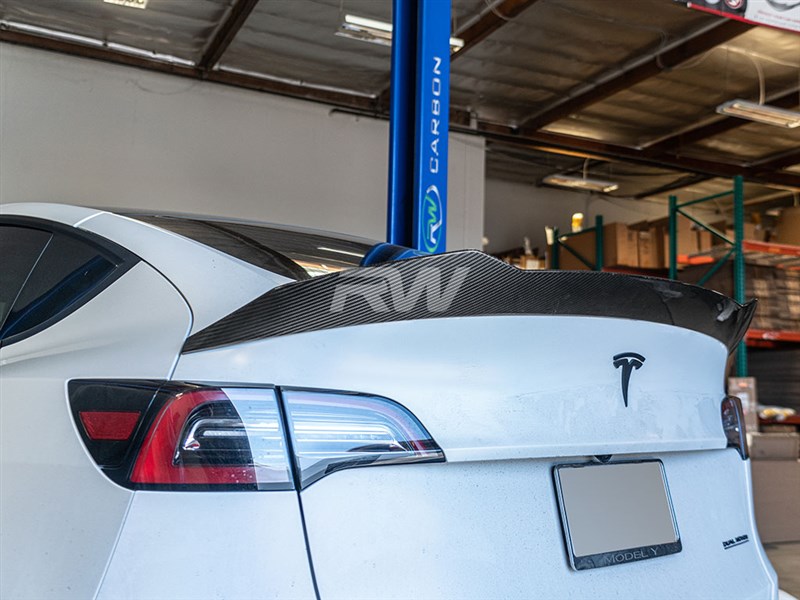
[789,226]
[777,291]
[620,248]
[776,488]
[776,485]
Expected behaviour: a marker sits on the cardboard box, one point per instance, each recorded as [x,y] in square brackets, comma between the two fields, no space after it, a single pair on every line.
[776,488]
[707,240]
[620,248]
[774,446]
[649,245]
[788,230]
[528,262]
[751,232]
[620,245]
[651,249]
[583,244]
[688,241]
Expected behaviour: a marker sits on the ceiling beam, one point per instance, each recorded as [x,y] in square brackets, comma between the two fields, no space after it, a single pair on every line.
[489,22]
[96,52]
[492,20]
[776,199]
[641,70]
[530,138]
[337,98]
[225,33]
[675,185]
[776,162]
[785,99]
[343,99]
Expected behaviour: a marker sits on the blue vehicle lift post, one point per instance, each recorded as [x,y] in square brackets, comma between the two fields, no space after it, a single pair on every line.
[418,126]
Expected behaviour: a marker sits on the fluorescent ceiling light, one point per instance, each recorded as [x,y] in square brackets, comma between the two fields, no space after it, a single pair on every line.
[377,32]
[581,183]
[762,113]
[128,3]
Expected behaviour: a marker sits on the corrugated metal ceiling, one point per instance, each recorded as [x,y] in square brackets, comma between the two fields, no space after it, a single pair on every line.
[558,45]
[688,93]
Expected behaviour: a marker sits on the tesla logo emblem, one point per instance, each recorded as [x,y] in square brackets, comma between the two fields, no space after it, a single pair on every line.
[628,361]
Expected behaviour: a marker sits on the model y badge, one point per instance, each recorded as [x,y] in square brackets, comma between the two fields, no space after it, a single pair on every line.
[629,361]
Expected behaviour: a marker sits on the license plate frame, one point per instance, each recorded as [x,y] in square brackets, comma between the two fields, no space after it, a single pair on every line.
[575,512]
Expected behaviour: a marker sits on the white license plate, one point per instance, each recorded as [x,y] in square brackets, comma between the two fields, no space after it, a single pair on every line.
[615,513]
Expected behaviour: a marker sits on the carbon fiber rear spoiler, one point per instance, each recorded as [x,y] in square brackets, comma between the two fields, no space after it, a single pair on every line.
[467,284]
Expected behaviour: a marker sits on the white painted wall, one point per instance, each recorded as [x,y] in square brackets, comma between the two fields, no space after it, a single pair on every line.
[515,210]
[86,132]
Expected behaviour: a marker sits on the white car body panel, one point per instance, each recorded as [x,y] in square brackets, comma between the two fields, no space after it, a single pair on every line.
[60,514]
[486,524]
[213,283]
[491,530]
[480,400]
[210,545]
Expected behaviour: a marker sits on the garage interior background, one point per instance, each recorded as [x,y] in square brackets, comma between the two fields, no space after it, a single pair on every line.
[539,87]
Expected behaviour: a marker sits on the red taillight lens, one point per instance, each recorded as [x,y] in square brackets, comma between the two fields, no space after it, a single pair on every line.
[182,436]
[109,425]
[215,437]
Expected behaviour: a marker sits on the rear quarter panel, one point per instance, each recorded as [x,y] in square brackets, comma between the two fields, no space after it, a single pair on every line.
[60,516]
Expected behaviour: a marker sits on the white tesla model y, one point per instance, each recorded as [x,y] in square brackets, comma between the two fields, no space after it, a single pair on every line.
[202,408]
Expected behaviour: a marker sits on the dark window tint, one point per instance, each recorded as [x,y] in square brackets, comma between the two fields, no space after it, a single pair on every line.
[20,248]
[293,254]
[66,272]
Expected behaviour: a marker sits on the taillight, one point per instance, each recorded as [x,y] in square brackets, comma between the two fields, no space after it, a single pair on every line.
[172,436]
[333,431]
[214,437]
[733,425]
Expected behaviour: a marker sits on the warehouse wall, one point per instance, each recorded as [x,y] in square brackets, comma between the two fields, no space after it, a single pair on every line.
[82,131]
[514,210]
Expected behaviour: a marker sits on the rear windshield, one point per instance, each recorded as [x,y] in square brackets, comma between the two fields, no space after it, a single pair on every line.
[294,254]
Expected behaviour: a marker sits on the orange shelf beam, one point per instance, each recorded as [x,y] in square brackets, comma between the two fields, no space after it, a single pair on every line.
[770,248]
[767,335]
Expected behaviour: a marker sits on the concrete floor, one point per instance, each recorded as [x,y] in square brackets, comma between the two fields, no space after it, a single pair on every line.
[785,557]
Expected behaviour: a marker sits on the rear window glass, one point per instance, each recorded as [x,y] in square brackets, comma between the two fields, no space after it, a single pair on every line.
[67,271]
[294,254]
[20,248]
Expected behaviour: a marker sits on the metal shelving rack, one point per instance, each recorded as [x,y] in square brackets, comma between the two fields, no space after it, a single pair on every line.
[764,253]
[560,238]
[736,249]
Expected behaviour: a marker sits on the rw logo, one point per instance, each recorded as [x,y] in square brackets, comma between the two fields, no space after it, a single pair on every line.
[433,217]
[629,361]
[384,291]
